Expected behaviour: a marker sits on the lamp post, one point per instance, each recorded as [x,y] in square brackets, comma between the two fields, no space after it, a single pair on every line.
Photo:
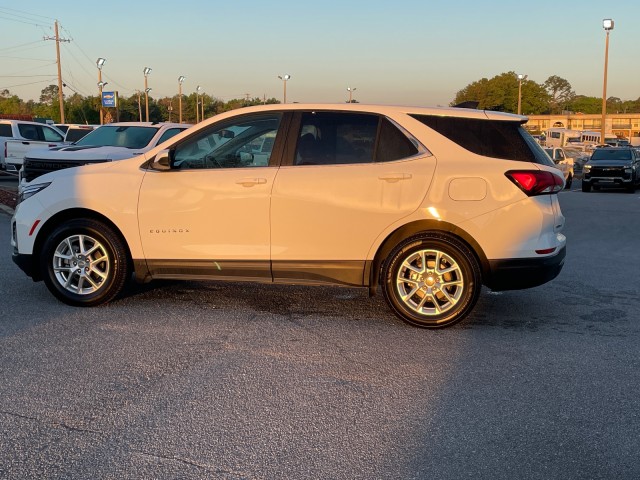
[284,79]
[351,90]
[607,24]
[101,85]
[146,73]
[198,88]
[99,64]
[138,92]
[521,77]
[180,80]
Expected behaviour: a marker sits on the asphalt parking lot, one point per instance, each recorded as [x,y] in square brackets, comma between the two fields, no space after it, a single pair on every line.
[241,381]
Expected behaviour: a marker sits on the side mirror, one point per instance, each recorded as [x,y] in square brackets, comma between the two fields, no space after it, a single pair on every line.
[162,160]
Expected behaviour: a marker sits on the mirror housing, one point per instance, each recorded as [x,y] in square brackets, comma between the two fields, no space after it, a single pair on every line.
[162,160]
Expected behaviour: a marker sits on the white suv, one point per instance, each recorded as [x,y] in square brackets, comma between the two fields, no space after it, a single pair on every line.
[427,203]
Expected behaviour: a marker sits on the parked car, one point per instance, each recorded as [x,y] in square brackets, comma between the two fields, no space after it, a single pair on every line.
[17,137]
[612,167]
[427,203]
[76,132]
[114,141]
[563,162]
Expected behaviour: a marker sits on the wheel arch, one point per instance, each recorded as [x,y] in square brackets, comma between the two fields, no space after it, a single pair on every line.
[410,229]
[73,214]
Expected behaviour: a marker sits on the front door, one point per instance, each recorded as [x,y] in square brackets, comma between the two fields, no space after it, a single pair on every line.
[209,215]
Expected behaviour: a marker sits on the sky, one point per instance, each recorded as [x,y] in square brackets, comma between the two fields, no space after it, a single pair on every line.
[403,52]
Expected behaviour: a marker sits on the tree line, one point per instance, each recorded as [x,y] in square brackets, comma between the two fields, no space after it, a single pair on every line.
[86,110]
[500,93]
[555,95]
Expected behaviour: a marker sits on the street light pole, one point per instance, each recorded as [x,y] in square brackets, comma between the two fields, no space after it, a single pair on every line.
[146,73]
[521,77]
[284,82]
[198,88]
[351,90]
[99,64]
[180,80]
[607,24]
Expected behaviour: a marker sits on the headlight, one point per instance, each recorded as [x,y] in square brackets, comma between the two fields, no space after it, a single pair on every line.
[587,168]
[31,190]
[628,170]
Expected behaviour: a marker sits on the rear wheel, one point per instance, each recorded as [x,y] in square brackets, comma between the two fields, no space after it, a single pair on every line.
[431,280]
[84,263]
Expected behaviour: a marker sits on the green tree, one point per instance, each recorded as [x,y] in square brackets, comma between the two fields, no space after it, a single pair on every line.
[584,104]
[560,93]
[500,93]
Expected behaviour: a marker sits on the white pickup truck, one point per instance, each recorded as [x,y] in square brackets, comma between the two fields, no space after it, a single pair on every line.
[115,141]
[17,137]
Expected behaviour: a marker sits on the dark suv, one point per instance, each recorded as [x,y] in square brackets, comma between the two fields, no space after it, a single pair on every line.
[612,167]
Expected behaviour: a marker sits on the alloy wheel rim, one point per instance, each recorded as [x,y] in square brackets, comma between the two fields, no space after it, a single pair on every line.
[430,282]
[81,264]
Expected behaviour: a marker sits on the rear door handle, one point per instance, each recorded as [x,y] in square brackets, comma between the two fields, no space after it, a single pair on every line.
[250,182]
[395,177]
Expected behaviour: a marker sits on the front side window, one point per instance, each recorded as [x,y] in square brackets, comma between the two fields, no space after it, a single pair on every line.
[170,132]
[245,142]
[50,135]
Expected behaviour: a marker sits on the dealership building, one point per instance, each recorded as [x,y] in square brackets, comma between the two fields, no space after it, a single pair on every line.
[623,125]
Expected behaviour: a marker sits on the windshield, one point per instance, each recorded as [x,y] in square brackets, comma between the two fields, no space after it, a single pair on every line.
[119,136]
[609,154]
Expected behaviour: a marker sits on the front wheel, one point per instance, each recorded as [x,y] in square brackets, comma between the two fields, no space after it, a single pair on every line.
[431,280]
[586,187]
[84,263]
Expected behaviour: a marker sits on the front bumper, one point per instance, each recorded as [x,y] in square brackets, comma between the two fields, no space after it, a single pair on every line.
[26,264]
[520,273]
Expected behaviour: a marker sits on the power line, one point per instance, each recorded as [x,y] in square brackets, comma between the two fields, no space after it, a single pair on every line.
[26,13]
[19,46]
[22,21]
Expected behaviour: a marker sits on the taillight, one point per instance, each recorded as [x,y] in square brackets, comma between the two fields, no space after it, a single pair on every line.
[536,182]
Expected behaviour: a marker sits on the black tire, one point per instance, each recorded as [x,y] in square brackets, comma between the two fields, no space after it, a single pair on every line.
[586,187]
[84,263]
[569,181]
[631,188]
[430,303]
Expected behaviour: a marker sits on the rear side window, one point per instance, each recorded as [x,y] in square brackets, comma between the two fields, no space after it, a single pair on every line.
[28,131]
[331,138]
[489,138]
[5,130]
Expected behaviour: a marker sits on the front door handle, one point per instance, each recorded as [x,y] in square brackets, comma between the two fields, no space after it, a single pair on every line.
[395,177]
[250,182]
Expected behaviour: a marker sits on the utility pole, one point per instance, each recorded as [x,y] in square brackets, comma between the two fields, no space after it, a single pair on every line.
[60,95]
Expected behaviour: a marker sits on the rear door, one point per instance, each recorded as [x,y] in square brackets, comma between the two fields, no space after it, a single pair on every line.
[347,177]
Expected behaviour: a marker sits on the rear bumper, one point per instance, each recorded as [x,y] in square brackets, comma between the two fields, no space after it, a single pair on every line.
[517,274]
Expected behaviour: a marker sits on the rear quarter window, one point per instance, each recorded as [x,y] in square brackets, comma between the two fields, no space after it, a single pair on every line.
[489,138]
